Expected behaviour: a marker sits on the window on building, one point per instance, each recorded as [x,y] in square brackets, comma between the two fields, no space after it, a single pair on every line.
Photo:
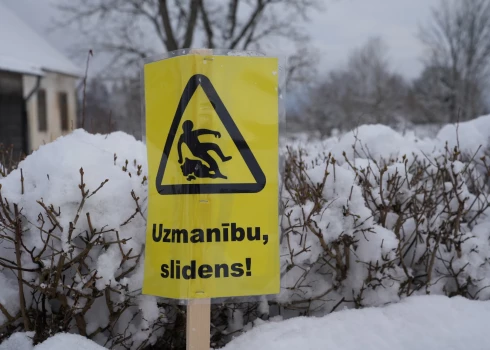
[42,116]
[63,104]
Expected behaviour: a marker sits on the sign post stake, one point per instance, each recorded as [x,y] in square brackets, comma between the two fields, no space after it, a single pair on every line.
[198,324]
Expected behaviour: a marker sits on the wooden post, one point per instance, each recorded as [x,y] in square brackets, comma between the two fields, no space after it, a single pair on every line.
[198,325]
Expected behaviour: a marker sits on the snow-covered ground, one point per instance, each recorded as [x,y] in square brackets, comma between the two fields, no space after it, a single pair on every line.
[52,178]
[61,341]
[422,322]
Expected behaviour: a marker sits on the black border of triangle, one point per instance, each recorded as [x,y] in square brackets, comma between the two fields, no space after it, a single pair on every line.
[194,82]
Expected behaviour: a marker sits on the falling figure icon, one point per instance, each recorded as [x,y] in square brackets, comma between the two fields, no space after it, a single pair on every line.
[192,168]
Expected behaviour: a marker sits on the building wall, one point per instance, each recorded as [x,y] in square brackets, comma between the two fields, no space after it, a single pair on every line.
[52,84]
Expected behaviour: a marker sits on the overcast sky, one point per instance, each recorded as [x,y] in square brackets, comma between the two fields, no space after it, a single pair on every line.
[345,25]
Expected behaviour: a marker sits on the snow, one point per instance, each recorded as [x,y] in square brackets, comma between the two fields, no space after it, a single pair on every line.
[379,141]
[63,341]
[370,159]
[17,65]
[422,322]
[60,341]
[52,176]
[470,135]
[18,341]
[23,50]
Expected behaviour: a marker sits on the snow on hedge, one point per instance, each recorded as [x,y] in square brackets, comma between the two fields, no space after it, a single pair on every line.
[52,176]
[60,341]
[423,322]
[375,216]
[369,218]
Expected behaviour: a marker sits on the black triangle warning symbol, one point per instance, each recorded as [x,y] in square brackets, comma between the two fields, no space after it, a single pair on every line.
[209,188]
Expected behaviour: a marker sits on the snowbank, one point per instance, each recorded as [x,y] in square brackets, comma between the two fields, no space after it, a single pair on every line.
[424,322]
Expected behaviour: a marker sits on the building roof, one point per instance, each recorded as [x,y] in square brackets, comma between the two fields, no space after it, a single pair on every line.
[23,50]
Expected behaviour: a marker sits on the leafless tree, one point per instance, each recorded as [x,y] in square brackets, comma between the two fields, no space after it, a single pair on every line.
[126,95]
[365,91]
[130,30]
[98,114]
[457,39]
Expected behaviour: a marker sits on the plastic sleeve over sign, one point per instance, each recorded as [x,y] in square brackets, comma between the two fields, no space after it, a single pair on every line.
[212,122]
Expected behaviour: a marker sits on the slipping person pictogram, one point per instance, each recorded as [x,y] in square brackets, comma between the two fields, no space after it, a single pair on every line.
[201,164]
[192,168]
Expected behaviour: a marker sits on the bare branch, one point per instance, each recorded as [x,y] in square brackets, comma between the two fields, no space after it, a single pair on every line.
[170,41]
[191,23]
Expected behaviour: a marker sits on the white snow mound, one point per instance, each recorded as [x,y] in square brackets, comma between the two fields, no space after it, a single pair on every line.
[63,341]
[422,322]
[52,178]
[60,341]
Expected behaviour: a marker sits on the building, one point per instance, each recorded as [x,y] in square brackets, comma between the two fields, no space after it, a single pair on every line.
[37,86]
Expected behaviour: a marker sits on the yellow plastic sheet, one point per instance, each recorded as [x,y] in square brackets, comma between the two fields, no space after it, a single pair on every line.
[212,130]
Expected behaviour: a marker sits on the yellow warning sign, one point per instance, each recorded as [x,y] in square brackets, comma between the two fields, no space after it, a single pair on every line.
[212,139]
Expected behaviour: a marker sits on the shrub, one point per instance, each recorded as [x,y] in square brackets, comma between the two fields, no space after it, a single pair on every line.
[72,234]
[361,225]
[360,231]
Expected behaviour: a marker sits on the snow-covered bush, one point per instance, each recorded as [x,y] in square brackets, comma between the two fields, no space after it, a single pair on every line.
[72,233]
[377,217]
[368,219]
